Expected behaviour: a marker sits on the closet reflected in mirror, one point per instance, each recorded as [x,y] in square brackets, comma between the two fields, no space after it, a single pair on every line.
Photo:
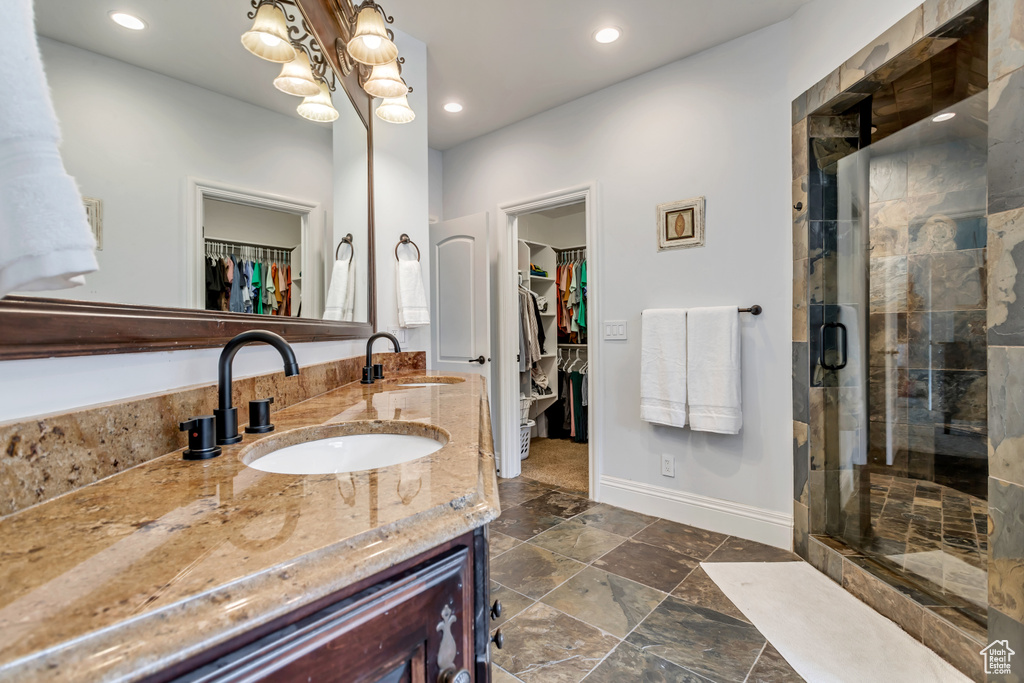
[208,190]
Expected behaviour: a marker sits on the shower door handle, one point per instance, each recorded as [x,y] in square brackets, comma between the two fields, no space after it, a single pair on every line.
[841,344]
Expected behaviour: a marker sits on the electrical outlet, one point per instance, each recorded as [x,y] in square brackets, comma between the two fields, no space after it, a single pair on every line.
[615,329]
[668,466]
[399,333]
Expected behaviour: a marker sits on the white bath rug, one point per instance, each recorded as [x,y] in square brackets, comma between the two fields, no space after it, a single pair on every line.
[825,633]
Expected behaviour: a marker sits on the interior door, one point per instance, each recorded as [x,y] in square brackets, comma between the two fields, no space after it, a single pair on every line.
[460,295]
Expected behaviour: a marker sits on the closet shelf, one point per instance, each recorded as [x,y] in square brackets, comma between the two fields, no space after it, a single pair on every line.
[542,277]
[572,346]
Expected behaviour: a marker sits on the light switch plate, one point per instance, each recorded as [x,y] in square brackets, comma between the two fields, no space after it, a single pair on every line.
[615,329]
[668,466]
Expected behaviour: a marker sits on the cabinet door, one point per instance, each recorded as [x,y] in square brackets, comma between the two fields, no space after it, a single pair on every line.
[406,630]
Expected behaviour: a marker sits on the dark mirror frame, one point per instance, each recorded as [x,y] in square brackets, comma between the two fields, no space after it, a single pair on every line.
[32,327]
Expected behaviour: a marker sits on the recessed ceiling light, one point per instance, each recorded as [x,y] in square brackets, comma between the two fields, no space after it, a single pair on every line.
[607,35]
[128,21]
[944,117]
[453,107]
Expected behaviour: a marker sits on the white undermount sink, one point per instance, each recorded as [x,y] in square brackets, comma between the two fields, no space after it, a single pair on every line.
[347,447]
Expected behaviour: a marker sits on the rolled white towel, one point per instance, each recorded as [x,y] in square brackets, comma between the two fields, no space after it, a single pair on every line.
[413,310]
[45,238]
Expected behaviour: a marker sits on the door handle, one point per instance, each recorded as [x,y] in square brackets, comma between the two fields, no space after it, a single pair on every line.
[479,359]
[841,346]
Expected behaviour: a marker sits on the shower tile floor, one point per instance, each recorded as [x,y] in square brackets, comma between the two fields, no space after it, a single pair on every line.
[595,593]
[935,534]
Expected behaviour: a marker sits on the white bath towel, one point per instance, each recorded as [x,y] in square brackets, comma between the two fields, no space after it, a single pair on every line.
[413,310]
[341,296]
[45,239]
[713,369]
[663,366]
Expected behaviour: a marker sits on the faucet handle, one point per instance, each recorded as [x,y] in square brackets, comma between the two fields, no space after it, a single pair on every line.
[201,438]
[378,371]
[259,416]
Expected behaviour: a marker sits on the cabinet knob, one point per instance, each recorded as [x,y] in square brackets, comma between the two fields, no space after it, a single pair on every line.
[498,639]
[496,610]
[453,676]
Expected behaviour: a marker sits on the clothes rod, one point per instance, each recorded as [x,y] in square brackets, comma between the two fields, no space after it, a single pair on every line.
[754,310]
[235,243]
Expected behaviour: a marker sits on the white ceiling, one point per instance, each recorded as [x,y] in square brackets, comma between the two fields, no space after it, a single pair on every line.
[196,41]
[505,61]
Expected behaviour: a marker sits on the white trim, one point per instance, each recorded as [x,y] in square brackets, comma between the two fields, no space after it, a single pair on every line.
[714,514]
[508,332]
[312,235]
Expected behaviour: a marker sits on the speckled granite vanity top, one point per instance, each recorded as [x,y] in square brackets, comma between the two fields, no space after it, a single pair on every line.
[143,569]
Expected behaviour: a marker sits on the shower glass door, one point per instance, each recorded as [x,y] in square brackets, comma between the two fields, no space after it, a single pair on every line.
[901,351]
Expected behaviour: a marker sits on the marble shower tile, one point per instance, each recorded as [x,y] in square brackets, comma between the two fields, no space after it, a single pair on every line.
[954,397]
[706,642]
[801,464]
[888,284]
[799,108]
[823,91]
[800,197]
[953,166]
[954,645]
[888,228]
[533,571]
[1005,37]
[883,598]
[942,233]
[1006,278]
[627,663]
[817,447]
[801,382]
[524,523]
[801,158]
[888,178]
[825,560]
[801,520]
[1006,143]
[1006,548]
[608,601]
[615,520]
[800,297]
[700,589]
[940,12]
[901,36]
[1006,413]
[558,504]
[947,340]
[659,568]
[682,538]
[951,281]
[578,541]
[542,645]
[1002,627]
[887,339]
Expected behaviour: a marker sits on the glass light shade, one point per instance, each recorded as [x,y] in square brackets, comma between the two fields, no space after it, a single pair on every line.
[268,37]
[370,44]
[395,110]
[319,107]
[296,77]
[385,81]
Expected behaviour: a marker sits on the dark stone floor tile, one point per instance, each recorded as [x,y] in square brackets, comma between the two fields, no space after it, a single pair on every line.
[652,566]
[704,641]
[607,601]
[700,589]
[499,675]
[682,538]
[559,504]
[578,541]
[741,550]
[771,667]
[516,491]
[524,523]
[615,520]
[512,603]
[627,663]
[533,571]
[542,645]
[500,543]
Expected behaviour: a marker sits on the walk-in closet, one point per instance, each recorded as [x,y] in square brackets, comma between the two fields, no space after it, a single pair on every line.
[553,359]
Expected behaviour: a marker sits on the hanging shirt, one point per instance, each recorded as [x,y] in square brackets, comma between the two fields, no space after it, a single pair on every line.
[235,299]
[257,289]
[246,268]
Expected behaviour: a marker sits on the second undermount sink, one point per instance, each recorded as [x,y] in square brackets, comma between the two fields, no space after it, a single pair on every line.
[347,447]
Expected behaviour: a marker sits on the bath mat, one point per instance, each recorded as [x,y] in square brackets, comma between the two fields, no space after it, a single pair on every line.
[825,633]
[559,462]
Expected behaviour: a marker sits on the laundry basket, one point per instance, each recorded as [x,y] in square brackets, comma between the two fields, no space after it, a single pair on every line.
[524,439]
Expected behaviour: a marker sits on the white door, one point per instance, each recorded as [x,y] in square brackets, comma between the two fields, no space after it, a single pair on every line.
[460,296]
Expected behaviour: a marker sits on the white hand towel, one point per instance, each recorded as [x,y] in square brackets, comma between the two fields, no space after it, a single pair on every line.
[341,294]
[663,367]
[713,369]
[45,239]
[412,299]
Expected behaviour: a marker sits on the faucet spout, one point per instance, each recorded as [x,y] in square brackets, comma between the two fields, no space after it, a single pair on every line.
[226,414]
[370,372]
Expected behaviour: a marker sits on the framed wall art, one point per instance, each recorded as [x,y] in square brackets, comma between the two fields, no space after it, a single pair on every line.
[681,224]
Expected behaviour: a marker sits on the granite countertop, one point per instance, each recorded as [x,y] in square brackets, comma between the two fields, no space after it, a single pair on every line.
[133,573]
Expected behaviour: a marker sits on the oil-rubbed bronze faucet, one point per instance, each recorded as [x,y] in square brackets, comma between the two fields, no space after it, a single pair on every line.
[225,414]
[371,371]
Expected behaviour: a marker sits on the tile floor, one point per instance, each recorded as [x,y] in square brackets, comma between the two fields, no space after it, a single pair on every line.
[597,593]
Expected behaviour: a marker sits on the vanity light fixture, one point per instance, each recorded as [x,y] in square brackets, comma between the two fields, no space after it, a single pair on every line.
[268,37]
[453,107]
[371,43]
[395,110]
[319,107]
[944,117]
[609,34]
[385,80]
[128,21]
[296,77]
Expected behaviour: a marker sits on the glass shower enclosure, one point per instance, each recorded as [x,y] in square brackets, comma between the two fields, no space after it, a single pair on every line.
[900,347]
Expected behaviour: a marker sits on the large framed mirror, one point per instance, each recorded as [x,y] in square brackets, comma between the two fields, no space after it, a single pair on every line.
[216,206]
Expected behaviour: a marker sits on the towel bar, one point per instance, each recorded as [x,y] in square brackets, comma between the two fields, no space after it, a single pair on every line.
[755,310]
[404,239]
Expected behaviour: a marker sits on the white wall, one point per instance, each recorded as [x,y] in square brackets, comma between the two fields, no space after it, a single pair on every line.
[35,387]
[230,221]
[561,232]
[436,161]
[716,124]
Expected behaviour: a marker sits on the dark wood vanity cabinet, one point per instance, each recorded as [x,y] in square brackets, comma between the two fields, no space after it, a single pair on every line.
[424,620]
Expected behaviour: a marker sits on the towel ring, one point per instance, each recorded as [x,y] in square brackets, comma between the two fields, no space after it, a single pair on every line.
[404,239]
[347,239]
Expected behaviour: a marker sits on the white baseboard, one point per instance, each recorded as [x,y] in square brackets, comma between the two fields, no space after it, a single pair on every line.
[726,517]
